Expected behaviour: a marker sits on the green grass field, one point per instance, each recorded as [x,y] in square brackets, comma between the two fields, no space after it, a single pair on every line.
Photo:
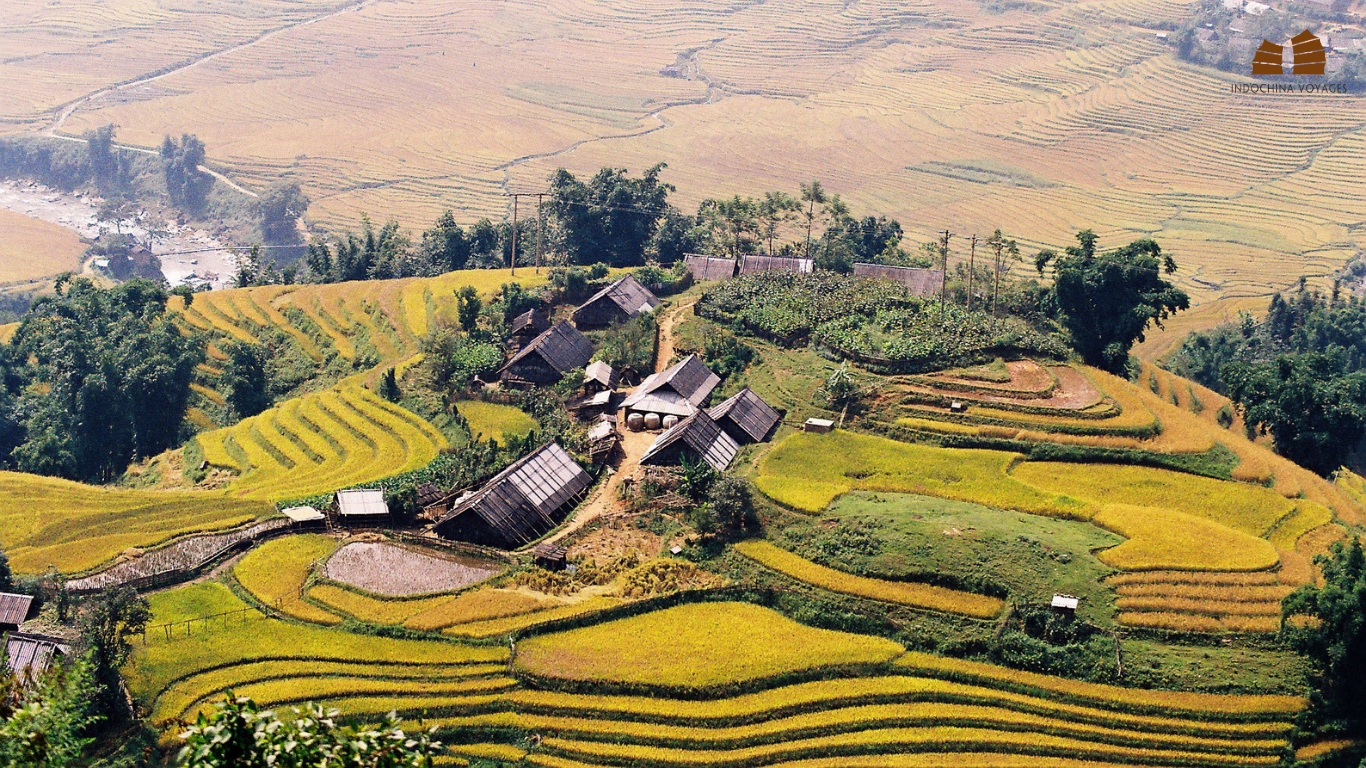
[894,534]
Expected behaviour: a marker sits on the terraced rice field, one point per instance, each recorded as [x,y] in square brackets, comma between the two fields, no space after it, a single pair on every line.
[320,442]
[46,522]
[31,248]
[786,693]
[1041,121]
[1192,530]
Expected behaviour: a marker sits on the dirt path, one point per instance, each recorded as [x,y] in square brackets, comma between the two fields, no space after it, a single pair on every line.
[666,335]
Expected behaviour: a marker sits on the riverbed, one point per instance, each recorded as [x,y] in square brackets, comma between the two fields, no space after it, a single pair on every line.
[189,256]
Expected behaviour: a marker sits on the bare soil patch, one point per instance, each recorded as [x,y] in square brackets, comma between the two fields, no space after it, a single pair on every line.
[387,569]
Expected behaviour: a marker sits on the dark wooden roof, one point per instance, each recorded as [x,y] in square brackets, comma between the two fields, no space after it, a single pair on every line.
[919,281]
[428,494]
[602,373]
[532,322]
[14,608]
[562,347]
[29,656]
[549,551]
[752,265]
[698,434]
[689,379]
[750,416]
[628,294]
[522,499]
[709,267]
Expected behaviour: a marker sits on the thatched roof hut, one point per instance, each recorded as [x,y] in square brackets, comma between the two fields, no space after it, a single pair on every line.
[618,302]
[519,503]
[548,357]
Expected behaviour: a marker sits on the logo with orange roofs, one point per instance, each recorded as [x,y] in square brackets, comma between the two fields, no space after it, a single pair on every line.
[1308,54]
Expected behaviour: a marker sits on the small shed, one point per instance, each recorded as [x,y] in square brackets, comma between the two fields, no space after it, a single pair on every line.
[753,265]
[599,376]
[13,610]
[746,417]
[303,515]
[677,391]
[361,504]
[527,326]
[602,440]
[704,268]
[548,357]
[28,656]
[1065,604]
[819,426]
[428,494]
[549,556]
[618,302]
[697,437]
[916,280]
[518,504]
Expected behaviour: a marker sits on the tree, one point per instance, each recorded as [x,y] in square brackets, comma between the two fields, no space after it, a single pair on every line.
[611,217]
[388,386]
[1107,300]
[813,194]
[245,378]
[732,503]
[107,622]
[280,209]
[1334,637]
[46,726]
[1313,410]
[1005,252]
[467,307]
[445,246]
[776,210]
[6,575]
[187,186]
[841,388]
[731,226]
[238,735]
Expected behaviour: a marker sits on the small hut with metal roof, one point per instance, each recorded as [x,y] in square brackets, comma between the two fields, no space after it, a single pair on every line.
[753,265]
[548,357]
[28,655]
[13,610]
[361,505]
[677,391]
[705,268]
[520,503]
[917,280]
[697,437]
[618,302]
[746,417]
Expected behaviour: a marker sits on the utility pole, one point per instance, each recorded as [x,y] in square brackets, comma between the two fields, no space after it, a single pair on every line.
[944,271]
[972,260]
[998,243]
[514,235]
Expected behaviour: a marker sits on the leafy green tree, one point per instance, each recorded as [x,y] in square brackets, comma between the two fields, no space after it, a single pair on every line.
[371,254]
[776,210]
[388,386]
[813,194]
[1334,636]
[631,346]
[280,208]
[46,725]
[1107,300]
[187,186]
[731,501]
[108,621]
[513,300]
[675,236]
[445,246]
[1312,408]
[245,378]
[611,217]
[467,308]
[453,360]
[238,735]
[731,226]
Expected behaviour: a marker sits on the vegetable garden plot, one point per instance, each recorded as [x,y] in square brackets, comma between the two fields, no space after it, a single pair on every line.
[387,569]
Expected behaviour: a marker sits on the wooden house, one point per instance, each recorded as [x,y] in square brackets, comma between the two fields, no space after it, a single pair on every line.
[527,326]
[520,503]
[920,282]
[753,265]
[677,391]
[598,377]
[550,556]
[746,417]
[362,505]
[548,357]
[13,610]
[705,268]
[698,438]
[618,302]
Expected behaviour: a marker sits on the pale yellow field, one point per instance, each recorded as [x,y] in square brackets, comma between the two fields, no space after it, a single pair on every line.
[30,248]
[939,112]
